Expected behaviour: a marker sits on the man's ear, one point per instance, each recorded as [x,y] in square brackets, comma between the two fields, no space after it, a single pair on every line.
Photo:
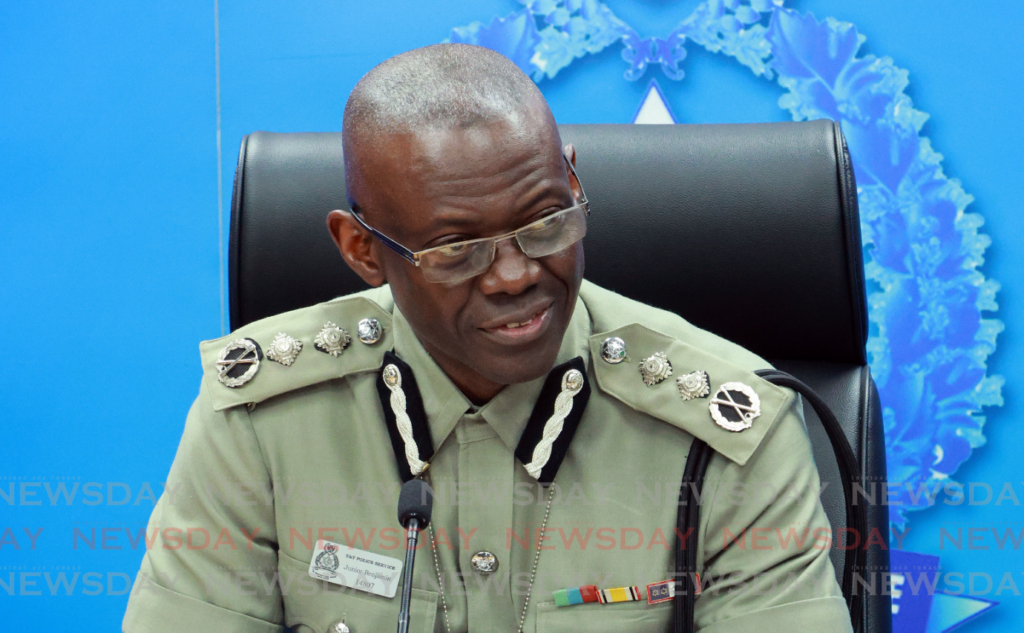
[570,153]
[356,246]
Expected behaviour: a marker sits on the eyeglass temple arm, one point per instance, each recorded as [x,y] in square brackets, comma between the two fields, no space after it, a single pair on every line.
[572,170]
[390,243]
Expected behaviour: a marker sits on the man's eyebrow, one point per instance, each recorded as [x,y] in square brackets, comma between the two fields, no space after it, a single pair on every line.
[453,219]
[455,216]
[448,221]
[550,190]
[461,219]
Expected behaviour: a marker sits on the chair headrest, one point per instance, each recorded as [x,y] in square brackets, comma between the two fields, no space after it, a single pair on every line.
[750,231]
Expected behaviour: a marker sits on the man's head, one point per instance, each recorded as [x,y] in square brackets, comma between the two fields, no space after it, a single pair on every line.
[449,143]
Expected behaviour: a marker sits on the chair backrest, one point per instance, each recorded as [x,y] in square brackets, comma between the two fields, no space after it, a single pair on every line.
[750,231]
[680,213]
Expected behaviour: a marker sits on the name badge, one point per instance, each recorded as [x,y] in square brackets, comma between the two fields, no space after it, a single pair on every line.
[355,568]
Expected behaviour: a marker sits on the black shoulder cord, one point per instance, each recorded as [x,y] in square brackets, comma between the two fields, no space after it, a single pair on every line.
[688,518]
[686,541]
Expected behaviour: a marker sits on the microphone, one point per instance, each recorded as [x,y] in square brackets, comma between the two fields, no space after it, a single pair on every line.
[415,502]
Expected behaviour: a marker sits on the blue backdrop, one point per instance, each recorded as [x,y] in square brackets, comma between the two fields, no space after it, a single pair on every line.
[119,133]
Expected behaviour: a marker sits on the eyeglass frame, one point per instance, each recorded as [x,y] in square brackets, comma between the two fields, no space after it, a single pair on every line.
[414,257]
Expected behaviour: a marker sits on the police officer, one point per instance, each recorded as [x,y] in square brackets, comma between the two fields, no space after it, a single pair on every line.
[552,417]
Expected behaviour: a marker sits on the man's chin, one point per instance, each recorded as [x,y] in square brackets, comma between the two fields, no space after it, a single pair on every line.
[508,363]
[514,368]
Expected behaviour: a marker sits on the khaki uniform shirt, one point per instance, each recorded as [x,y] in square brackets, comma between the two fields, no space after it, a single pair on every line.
[302,453]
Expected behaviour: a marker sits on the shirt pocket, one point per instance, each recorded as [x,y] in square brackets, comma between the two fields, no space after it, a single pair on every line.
[313,605]
[622,617]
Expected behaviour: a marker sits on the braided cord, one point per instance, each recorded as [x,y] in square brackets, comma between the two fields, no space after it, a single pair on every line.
[393,380]
[572,383]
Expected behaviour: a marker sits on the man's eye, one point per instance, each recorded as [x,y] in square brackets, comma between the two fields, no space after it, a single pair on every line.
[454,250]
[448,240]
[547,224]
[547,213]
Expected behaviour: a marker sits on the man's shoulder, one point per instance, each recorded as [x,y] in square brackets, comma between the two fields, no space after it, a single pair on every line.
[681,374]
[296,349]
[611,311]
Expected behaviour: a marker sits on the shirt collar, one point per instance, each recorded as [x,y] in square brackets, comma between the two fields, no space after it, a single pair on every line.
[443,403]
[509,411]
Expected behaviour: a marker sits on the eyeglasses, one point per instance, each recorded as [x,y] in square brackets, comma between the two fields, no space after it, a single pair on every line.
[459,261]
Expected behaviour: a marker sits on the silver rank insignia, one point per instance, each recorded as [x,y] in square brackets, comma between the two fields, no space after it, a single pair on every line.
[238,362]
[694,385]
[332,340]
[655,368]
[369,331]
[734,406]
[284,349]
[613,350]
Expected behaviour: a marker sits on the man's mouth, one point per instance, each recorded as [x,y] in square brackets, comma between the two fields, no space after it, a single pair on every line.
[521,331]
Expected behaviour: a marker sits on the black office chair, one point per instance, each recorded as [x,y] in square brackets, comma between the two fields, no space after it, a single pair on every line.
[749,231]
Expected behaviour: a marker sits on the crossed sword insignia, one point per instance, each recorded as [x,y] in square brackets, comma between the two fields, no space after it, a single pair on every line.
[735,406]
[226,365]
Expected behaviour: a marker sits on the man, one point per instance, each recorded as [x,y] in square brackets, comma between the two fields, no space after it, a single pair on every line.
[553,418]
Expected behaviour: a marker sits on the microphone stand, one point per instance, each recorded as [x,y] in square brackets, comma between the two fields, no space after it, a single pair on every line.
[414,505]
[412,536]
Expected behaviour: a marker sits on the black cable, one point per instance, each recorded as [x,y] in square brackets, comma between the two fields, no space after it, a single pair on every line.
[696,488]
[691,487]
[850,473]
[687,526]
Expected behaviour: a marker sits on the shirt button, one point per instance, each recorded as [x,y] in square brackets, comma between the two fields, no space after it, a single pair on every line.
[613,350]
[484,562]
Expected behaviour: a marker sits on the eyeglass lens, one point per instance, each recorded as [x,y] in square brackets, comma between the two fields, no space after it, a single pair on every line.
[542,238]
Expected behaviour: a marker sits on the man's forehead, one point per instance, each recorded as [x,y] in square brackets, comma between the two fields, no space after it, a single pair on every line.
[468,160]
[529,128]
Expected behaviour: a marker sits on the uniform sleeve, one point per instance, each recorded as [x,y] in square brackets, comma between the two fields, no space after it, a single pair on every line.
[211,557]
[766,541]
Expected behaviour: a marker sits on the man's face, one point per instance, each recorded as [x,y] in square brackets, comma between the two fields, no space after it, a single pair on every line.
[442,186]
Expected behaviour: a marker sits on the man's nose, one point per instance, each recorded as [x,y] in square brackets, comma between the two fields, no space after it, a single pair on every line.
[511,272]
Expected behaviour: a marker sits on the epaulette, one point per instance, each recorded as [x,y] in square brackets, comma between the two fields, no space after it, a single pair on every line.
[657,363]
[297,349]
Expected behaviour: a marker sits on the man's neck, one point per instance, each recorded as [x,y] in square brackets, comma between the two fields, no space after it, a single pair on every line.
[477,389]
